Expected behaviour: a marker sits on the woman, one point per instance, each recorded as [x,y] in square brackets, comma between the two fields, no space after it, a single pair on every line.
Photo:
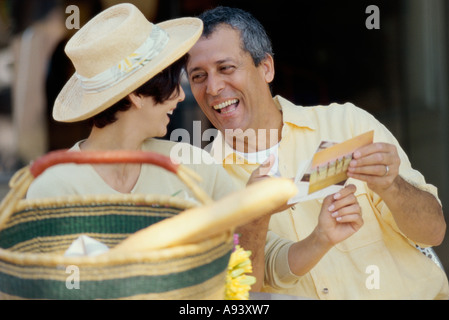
[127,84]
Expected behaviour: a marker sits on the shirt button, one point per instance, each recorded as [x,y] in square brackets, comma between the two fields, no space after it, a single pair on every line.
[293,208]
[325,290]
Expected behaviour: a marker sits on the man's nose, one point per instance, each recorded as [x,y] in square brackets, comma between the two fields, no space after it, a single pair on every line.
[214,85]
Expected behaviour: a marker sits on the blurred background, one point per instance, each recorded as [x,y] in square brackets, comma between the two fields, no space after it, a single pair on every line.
[323,53]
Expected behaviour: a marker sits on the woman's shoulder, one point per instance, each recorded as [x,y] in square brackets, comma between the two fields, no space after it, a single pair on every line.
[55,180]
[180,152]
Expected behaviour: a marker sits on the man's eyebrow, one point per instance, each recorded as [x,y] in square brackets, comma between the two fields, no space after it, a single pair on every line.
[218,62]
[189,71]
[224,60]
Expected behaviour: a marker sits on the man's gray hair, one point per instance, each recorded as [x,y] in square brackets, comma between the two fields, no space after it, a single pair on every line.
[254,38]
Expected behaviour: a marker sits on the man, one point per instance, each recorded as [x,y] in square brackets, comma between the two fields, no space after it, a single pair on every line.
[307,253]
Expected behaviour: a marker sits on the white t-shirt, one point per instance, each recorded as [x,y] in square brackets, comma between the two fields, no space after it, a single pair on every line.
[262,156]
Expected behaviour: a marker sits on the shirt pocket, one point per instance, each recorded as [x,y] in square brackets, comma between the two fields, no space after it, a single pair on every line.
[369,233]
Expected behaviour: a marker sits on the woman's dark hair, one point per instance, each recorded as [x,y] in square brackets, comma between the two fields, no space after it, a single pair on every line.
[161,88]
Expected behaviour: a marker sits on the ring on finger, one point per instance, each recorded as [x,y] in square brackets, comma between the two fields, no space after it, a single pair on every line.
[387,169]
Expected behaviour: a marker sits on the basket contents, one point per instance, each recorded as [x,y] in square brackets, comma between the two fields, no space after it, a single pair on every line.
[85,246]
[159,247]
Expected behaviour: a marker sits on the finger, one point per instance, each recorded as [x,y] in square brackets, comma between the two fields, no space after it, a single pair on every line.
[371,170]
[340,204]
[348,189]
[353,218]
[327,202]
[343,197]
[347,210]
[373,148]
[371,159]
[265,167]
[375,181]
[261,172]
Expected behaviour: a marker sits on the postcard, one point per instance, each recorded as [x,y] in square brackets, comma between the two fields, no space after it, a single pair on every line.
[326,172]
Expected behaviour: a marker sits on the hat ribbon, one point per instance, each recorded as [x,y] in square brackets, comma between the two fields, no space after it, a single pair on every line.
[151,47]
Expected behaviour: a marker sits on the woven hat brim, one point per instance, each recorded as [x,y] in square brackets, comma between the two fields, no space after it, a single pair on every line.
[73,104]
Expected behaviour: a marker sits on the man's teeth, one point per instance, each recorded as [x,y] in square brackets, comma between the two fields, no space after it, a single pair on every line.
[225,104]
[170,112]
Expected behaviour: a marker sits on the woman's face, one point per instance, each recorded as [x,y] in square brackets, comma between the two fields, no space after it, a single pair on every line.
[157,116]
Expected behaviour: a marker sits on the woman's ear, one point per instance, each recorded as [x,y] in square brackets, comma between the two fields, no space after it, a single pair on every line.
[135,100]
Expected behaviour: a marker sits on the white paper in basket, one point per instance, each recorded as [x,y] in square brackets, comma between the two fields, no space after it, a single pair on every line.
[85,246]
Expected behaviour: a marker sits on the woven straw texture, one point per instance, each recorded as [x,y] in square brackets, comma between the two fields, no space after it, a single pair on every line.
[37,233]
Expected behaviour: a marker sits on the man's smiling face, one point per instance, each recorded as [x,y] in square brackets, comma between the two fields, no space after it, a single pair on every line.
[227,85]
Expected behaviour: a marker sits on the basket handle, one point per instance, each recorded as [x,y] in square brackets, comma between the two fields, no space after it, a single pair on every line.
[22,179]
[100,157]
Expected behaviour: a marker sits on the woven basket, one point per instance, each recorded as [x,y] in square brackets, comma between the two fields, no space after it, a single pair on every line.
[34,234]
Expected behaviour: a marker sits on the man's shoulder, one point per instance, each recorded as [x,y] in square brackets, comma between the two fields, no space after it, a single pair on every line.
[332,112]
[331,107]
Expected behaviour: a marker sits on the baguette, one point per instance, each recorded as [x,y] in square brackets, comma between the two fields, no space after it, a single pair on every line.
[200,223]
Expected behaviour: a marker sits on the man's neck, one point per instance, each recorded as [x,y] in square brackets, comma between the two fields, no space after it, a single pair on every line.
[262,137]
[252,140]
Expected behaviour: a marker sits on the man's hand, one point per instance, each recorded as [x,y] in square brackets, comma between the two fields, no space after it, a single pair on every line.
[262,171]
[417,213]
[377,164]
[340,216]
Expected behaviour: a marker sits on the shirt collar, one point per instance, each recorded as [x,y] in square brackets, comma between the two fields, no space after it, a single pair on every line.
[294,114]
[291,113]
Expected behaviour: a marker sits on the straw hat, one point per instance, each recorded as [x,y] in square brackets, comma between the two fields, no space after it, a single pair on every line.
[114,54]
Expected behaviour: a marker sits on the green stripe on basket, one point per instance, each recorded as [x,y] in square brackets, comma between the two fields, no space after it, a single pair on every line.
[103,220]
[111,289]
[42,213]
